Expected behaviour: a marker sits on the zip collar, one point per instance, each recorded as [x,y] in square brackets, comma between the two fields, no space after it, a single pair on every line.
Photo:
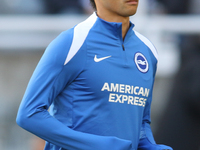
[114,28]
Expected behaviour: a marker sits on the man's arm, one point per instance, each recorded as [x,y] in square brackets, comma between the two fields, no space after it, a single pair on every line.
[147,141]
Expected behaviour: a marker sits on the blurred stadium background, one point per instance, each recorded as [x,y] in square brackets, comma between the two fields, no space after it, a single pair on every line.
[28,26]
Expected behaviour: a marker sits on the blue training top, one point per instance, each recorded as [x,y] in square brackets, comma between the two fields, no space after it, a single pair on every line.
[98,85]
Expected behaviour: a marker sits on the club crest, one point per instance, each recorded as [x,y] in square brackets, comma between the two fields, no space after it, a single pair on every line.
[141,62]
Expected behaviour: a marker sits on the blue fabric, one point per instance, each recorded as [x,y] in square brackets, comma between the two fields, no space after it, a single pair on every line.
[147,141]
[99,98]
[145,144]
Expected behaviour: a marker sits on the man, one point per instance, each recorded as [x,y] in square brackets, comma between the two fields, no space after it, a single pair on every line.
[98,79]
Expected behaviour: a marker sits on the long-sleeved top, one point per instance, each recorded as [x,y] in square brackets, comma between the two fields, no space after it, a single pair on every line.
[92,89]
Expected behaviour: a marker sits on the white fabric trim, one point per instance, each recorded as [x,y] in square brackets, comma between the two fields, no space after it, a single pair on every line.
[148,43]
[80,33]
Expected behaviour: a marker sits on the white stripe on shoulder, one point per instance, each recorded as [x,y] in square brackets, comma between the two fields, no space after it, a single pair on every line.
[80,33]
[148,43]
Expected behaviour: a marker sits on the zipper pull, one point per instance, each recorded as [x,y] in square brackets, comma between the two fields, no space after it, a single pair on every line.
[123,47]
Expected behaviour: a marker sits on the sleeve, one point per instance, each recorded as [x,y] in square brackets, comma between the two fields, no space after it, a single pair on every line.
[146,141]
[48,80]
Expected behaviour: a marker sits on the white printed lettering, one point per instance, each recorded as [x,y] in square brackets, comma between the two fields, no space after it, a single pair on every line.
[105,87]
[146,92]
[121,88]
[136,100]
[112,97]
[130,100]
[141,101]
[129,97]
[118,98]
[144,102]
[124,98]
[127,89]
[135,92]
[141,91]
[132,87]
[114,87]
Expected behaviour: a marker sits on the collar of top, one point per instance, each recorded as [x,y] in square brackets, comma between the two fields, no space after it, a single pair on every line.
[115,28]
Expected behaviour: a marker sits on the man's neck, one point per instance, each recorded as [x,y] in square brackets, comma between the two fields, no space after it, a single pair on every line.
[116,18]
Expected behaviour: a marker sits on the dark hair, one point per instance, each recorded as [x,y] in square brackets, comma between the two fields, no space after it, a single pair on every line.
[93,4]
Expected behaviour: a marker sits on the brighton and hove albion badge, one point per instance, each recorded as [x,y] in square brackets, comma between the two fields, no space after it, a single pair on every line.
[141,62]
